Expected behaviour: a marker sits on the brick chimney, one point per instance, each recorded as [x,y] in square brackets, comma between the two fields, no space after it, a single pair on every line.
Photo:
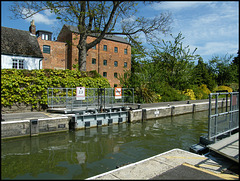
[32,28]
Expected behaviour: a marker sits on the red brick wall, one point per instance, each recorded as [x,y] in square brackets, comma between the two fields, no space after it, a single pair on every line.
[99,54]
[57,58]
[72,39]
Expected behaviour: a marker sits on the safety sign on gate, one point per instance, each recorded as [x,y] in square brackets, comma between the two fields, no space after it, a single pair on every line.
[118,93]
[80,93]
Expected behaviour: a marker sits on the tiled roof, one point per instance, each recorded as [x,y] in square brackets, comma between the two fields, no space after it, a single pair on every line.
[19,42]
[108,37]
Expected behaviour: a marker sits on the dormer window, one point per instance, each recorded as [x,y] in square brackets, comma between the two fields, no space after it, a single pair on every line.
[45,35]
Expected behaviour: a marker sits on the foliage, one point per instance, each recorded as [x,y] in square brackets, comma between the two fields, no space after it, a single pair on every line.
[234,67]
[202,75]
[201,92]
[222,87]
[220,67]
[189,93]
[171,94]
[234,86]
[173,63]
[30,86]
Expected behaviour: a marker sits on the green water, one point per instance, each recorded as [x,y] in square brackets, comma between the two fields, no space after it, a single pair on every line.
[85,153]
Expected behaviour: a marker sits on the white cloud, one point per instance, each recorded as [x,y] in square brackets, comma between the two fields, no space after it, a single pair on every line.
[177,5]
[45,18]
[217,48]
[130,19]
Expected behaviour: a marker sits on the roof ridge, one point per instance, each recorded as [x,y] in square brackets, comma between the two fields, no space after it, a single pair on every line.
[106,36]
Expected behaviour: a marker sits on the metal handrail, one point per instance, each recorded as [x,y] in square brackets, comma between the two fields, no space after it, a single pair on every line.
[65,98]
[228,124]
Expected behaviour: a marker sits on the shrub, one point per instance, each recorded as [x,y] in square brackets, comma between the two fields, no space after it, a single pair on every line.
[168,93]
[30,86]
[222,87]
[189,93]
[234,86]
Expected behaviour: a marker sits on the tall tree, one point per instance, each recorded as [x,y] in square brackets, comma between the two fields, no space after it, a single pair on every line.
[202,75]
[173,62]
[99,17]
[220,67]
[235,69]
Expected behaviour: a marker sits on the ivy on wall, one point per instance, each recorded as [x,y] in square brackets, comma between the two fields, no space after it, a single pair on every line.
[30,86]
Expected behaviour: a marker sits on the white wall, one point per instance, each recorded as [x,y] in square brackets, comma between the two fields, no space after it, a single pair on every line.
[29,62]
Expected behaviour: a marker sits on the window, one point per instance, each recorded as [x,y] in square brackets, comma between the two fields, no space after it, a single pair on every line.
[104,74]
[45,37]
[125,64]
[94,47]
[17,64]
[115,64]
[104,62]
[105,47]
[125,51]
[115,49]
[115,74]
[94,61]
[46,49]
[115,85]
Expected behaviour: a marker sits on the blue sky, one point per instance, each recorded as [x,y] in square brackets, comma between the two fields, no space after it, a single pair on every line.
[210,26]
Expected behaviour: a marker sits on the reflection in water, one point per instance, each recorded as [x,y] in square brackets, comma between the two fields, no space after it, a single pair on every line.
[85,153]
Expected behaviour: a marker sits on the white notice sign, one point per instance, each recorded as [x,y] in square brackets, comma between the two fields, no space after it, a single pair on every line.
[118,93]
[80,93]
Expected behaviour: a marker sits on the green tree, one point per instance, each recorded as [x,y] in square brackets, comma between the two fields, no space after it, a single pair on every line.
[98,17]
[220,67]
[136,77]
[202,75]
[235,69]
[173,63]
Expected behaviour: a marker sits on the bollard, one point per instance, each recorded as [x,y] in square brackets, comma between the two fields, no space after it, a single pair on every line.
[139,106]
[172,110]
[34,130]
[194,108]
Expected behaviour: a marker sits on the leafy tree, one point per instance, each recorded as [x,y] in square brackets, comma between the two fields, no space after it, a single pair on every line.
[220,67]
[173,63]
[135,78]
[202,75]
[98,17]
[235,69]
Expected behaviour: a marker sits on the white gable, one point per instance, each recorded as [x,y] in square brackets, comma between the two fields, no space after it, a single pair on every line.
[29,62]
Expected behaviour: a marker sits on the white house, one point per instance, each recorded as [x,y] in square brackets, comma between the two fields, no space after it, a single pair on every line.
[20,49]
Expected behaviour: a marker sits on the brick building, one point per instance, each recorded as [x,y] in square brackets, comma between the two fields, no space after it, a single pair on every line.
[54,52]
[109,58]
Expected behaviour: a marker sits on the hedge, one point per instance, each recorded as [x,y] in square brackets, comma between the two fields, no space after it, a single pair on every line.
[30,86]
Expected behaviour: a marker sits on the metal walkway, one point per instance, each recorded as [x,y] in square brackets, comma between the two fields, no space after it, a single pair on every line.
[228,147]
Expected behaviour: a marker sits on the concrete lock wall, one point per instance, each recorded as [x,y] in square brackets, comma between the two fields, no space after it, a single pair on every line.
[15,128]
[11,129]
[159,112]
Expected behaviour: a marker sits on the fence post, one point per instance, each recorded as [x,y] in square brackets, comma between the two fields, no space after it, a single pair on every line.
[209,116]
[231,114]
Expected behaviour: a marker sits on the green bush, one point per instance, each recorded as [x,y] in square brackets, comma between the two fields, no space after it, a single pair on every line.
[201,92]
[222,88]
[168,94]
[30,86]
